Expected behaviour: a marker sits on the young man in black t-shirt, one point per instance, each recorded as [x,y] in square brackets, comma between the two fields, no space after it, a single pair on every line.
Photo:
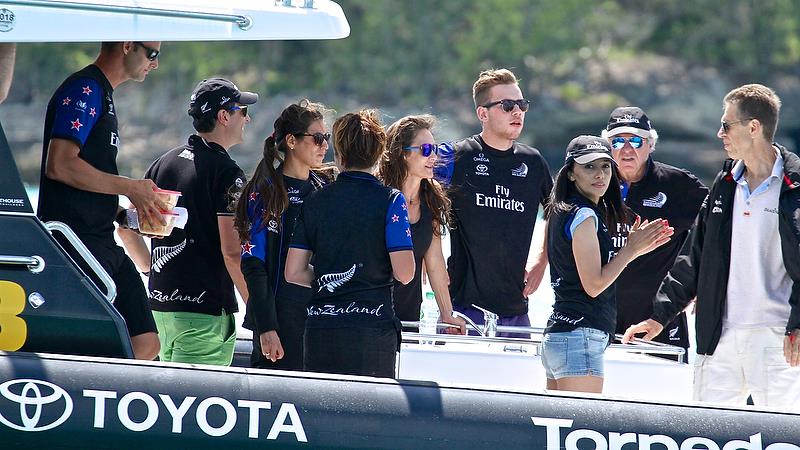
[193,270]
[496,185]
[652,190]
[80,184]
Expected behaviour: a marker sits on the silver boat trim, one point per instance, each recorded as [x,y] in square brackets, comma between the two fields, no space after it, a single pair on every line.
[243,22]
[78,245]
[34,263]
[636,346]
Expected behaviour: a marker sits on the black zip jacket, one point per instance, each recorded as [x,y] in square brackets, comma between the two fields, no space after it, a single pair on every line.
[707,256]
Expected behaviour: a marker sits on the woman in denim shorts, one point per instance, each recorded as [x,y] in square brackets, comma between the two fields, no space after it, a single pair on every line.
[583,267]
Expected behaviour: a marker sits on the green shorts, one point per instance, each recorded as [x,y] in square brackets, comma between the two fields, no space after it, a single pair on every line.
[196,338]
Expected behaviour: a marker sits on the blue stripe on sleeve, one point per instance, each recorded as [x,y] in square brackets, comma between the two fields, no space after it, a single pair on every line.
[398,228]
[79,105]
[256,247]
[580,216]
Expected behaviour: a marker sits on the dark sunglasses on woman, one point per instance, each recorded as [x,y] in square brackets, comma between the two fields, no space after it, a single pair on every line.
[619,142]
[424,149]
[319,138]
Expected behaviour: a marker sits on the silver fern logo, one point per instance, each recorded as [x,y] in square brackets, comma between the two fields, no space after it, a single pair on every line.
[162,255]
[332,281]
[656,201]
[521,171]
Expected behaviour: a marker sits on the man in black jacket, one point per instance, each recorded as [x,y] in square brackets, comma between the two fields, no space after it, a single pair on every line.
[653,190]
[743,265]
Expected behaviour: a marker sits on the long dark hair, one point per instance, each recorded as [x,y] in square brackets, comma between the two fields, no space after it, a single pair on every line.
[612,209]
[393,170]
[266,182]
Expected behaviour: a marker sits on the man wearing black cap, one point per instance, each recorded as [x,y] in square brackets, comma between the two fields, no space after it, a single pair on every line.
[79,182]
[652,190]
[193,271]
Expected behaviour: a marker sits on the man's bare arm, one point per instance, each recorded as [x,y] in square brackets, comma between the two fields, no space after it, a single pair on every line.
[64,165]
[232,253]
[8,53]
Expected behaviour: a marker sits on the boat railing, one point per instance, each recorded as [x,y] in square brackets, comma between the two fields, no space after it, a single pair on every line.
[243,22]
[530,345]
[111,289]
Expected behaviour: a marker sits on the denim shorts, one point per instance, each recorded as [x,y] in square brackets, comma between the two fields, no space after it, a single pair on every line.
[574,353]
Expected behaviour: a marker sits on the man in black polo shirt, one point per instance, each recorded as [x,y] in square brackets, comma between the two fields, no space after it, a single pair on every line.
[652,190]
[193,270]
[80,184]
[497,185]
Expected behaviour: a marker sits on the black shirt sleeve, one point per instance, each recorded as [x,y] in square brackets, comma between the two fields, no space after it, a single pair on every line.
[261,305]
[679,287]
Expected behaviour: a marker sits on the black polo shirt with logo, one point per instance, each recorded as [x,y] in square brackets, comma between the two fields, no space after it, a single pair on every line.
[188,272]
[496,196]
[82,111]
[665,192]
[351,226]
[573,307]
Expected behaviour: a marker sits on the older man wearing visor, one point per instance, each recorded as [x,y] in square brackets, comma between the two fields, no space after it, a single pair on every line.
[652,190]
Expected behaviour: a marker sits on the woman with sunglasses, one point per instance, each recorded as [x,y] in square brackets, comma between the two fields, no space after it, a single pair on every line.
[357,231]
[290,169]
[408,165]
[584,204]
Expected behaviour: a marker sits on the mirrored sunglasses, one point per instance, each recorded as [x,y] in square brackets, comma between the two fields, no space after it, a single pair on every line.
[319,138]
[150,52]
[242,108]
[424,149]
[619,142]
[508,105]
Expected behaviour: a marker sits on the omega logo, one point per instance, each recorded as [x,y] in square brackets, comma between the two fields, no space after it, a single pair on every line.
[32,396]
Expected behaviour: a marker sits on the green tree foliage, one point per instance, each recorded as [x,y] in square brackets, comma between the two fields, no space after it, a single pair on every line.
[423,53]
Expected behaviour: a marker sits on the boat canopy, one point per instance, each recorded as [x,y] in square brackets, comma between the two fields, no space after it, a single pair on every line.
[170,20]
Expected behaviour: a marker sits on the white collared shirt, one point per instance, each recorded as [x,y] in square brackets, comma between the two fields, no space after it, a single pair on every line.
[758,284]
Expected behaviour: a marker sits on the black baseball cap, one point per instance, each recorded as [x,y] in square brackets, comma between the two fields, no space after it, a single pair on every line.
[628,119]
[585,149]
[210,95]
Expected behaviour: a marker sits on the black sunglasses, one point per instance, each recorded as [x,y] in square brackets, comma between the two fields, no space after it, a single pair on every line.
[319,138]
[726,126]
[424,149]
[152,54]
[508,105]
[242,108]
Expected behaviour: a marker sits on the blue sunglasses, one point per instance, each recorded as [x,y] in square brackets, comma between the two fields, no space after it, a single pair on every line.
[619,142]
[424,149]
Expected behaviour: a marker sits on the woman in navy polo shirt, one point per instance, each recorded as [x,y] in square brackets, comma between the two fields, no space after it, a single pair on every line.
[289,170]
[357,231]
[583,267]
[408,165]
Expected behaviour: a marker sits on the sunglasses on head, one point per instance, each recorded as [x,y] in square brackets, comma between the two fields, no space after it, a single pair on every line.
[726,126]
[150,53]
[508,105]
[319,138]
[424,149]
[619,142]
[242,108]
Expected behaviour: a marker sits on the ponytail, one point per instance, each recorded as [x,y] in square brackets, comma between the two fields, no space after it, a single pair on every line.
[269,188]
